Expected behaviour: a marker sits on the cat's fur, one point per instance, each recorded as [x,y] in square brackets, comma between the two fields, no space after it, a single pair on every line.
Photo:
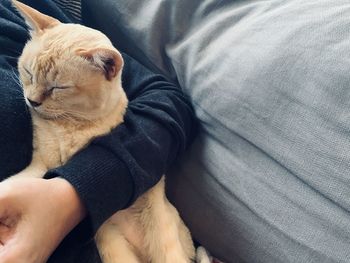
[71,78]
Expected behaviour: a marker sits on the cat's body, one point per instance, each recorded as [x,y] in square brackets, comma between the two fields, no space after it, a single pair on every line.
[69,108]
[56,141]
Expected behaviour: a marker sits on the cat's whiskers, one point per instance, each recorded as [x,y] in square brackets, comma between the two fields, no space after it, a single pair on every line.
[64,116]
[74,115]
[20,94]
[67,114]
[16,78]
[77,114]
[15,75]
[57,114]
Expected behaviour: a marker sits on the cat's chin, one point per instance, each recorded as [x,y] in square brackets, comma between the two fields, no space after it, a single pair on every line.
[43,115]
[55,117]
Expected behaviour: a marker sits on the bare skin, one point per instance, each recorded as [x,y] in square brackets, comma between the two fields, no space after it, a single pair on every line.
[35,215]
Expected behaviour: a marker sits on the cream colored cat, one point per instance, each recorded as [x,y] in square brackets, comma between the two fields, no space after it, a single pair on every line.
[71,78]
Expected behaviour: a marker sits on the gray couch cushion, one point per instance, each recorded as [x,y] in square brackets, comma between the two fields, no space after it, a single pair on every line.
[267,180]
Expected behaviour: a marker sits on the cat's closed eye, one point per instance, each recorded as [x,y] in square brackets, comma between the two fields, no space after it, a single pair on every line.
[29,74]
[58,88]
[50,90]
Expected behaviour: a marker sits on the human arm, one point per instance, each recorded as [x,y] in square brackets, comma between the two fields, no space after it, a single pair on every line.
[115,169]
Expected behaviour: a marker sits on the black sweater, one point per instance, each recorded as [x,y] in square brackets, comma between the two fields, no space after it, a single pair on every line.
[115,169]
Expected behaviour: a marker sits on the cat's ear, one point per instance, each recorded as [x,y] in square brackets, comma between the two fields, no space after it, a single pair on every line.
[34,19]
[109,61]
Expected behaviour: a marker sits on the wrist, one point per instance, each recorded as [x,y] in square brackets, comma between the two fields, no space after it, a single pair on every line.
[69,202]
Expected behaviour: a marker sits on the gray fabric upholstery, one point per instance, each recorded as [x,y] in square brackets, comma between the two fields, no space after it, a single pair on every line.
[267,180]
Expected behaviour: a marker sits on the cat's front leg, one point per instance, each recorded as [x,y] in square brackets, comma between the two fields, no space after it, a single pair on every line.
[36,169]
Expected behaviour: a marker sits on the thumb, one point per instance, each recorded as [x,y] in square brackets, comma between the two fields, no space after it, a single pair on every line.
[9,216]
[7,229]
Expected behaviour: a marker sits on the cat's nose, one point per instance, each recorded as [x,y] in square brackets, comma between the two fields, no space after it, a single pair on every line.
[34,103]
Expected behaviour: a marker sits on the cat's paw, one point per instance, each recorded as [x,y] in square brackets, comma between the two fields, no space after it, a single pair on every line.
[202,256]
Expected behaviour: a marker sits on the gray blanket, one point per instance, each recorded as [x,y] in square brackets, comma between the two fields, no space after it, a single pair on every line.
[267,180]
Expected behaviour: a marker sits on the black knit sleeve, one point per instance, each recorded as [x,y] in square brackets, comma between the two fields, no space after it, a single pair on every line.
[117,168]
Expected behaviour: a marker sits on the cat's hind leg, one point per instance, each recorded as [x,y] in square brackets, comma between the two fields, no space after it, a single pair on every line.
[113,247]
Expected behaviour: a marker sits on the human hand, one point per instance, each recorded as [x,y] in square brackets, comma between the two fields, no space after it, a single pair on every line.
[35,215]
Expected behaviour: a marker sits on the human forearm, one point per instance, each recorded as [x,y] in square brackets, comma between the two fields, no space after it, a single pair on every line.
[67,199]
[101,180]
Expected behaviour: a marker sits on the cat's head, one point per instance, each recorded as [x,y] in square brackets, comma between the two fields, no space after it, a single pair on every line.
[68,70]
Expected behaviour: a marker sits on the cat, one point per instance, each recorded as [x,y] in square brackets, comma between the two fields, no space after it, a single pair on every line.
[71,78]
